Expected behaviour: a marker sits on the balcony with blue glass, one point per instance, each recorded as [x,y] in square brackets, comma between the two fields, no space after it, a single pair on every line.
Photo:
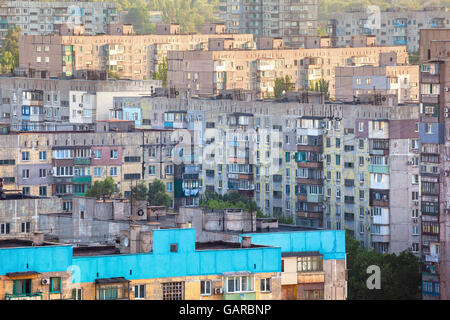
[400,23]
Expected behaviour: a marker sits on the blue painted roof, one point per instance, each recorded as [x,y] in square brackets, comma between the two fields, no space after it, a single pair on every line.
[330,243]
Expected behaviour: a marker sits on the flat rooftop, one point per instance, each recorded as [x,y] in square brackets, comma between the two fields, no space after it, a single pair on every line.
[16,196]
[18,243]
[95,251]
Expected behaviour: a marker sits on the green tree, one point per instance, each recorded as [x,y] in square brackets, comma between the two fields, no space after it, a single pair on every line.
[161,74]
[282,84]
[102,189]
[139,192]
[9,53]
[233,200]
[156,195]
[320,86]
[400,274]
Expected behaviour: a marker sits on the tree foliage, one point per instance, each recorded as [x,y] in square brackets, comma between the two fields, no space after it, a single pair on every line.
[155,194]
[9,53]
[282,84]
[320,86]
[400,274]
[102,189]
[233,200]
[161,73]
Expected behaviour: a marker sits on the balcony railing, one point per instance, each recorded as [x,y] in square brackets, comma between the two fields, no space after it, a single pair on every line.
[24,296]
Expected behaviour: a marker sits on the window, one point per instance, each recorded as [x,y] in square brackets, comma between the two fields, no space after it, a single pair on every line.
[113,154]
[43,191]
[169,169]
[113,171]
[361,126]
[173,247]
[42,173]
[25,173]
[265,285]
[310,264]
[151,170]
[26,190]
[55,285]
[25,227]
[239,284]
[42,155]
[25,156]
[22,287]
[108,293]
[4,228]
[139,291]
[77,294]
[173,291]
[97,172]
[169,187]
[205,287]
[316,294]
[97,154]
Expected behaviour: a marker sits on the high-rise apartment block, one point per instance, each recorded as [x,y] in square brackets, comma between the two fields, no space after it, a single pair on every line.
[435,157]
[41,17]
[393,27]
[116,54]
[208,73]
[291,20]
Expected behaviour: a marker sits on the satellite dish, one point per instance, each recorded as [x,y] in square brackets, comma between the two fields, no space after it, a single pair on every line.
[140,212]
[125,242]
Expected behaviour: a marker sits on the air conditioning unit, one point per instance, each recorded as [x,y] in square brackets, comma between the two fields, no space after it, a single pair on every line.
[410,162]
[446,89]
[446,173]
[50,171]
[80,105]
[45,281]
[218,290]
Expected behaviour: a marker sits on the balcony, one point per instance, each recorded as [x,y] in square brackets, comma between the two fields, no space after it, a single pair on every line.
[25,296]
[430,98]
[82,161]
[82,179]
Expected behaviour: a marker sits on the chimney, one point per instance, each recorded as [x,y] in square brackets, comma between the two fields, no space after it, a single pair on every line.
[38,238]
[246,242]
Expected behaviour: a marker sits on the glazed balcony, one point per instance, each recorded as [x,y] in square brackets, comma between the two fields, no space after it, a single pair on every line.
[24,296]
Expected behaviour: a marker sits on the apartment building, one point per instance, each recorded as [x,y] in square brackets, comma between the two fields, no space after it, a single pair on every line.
[395,26]
[208,73]
[33,104]
[290,19]
[45,17]
[120,54]
[19,213]
[399,83]
[434,153]
[103,273]
[66,164]
[321,165]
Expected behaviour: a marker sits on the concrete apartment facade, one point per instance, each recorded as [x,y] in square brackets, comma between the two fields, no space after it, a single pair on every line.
[40,17]
[401,83]
[435,173]
[93,56]
[313,164]
[207,73]
[395,26]
[33,104]
[66,164]
[19,214]
[291,20]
